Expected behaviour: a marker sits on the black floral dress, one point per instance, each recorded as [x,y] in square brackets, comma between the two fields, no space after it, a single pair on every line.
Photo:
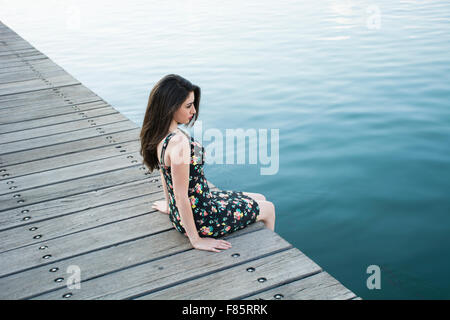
[216,213]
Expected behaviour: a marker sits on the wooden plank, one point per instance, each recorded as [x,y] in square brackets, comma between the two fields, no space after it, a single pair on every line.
[28,69]
[9,78]
[5,30]
[7,55]
[237,282]
[26,52]
[64,189]
[37,68]
[321,286]
[14,59]
[29,101]
[80,120]
[8,37]
[18,52]
[9,33]
[38,65]
[35,214]
[43,211]
[71,245]
[79,221]
[25,115]
[37,84]
[22,61]
[110,124]
[5,50]
[9,42]
[12,41]
[33,167]
[65,174]
[37,124]
[97,263]
[16,74]
[168,271]
[13,46]
[69,148]
[14,52]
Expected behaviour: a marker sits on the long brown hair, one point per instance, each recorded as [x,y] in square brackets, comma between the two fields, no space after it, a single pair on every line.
[165,99]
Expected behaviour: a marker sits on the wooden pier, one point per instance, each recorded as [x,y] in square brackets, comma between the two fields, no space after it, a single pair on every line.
[75,203]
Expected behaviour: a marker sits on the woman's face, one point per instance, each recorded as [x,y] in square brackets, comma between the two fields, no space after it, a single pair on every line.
[187,110]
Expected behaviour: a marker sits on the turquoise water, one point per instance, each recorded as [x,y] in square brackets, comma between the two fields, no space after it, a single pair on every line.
[359,91]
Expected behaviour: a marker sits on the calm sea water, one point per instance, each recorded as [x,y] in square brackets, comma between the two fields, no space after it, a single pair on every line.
[359,90]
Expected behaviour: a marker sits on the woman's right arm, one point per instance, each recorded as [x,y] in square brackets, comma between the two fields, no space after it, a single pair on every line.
[180,159]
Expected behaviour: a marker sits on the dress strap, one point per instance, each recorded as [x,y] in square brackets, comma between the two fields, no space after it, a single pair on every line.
[165,143]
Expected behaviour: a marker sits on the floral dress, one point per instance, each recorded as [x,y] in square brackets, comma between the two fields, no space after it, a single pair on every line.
[216,213]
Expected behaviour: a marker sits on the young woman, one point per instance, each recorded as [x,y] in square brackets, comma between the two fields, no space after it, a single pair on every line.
[194,210]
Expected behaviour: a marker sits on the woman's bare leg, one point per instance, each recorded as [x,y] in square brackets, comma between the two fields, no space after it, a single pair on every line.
[266,209]
[266,213]
[256,196]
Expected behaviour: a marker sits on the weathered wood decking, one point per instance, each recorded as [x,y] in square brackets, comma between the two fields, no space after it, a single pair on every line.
[75,197]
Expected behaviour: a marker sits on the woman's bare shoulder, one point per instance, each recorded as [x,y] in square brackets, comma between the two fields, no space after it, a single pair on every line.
[180,150]
[179,144]
[179,139]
